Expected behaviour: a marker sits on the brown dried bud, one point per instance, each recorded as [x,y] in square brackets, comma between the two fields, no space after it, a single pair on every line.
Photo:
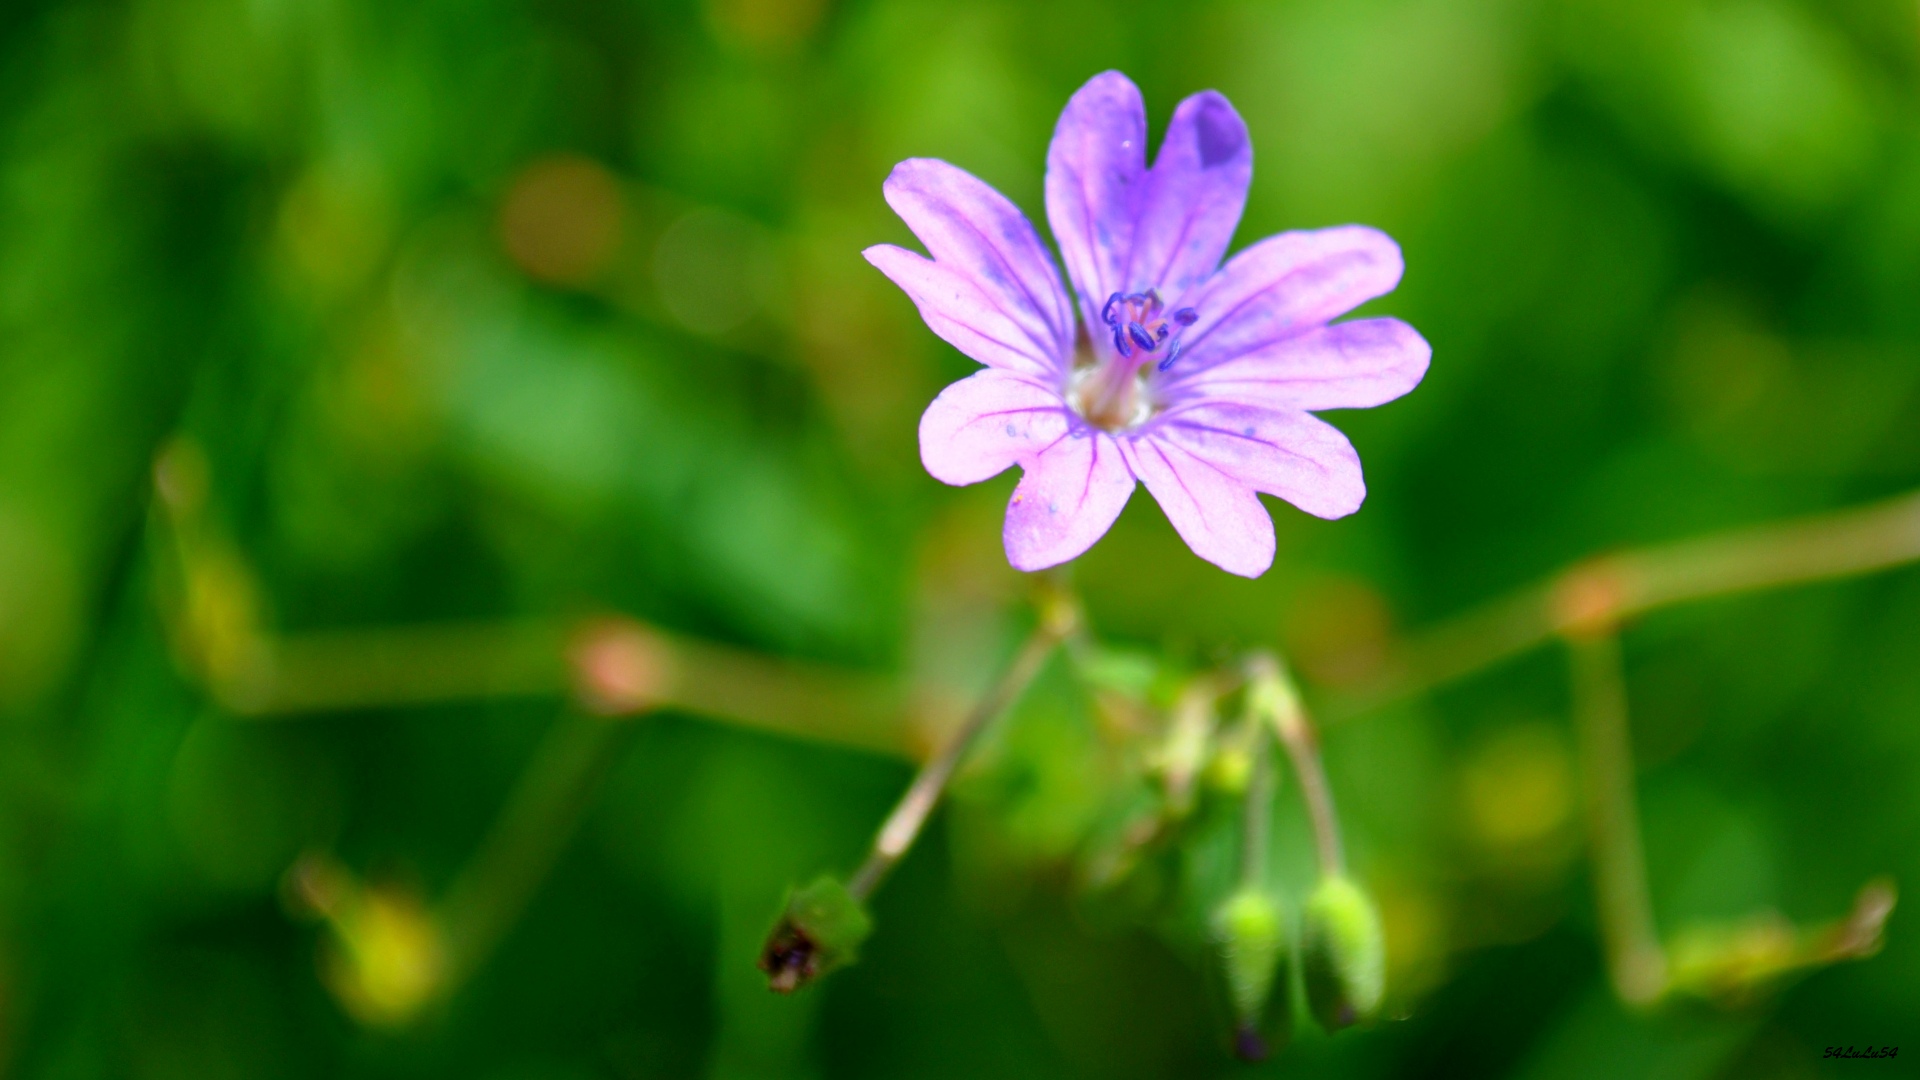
[821,929]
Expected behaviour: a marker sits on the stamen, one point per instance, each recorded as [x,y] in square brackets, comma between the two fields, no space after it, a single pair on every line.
[1140,322]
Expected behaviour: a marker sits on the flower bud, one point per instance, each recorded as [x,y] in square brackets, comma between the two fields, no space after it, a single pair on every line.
[1343,953]
[821,929]
[1230,769]
[386,959]
[1251,934]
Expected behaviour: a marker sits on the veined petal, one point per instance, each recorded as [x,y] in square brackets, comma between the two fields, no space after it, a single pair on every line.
[1298,457]
[969,227]
[1095,170]
[1193,197]
[964,315]
[1284,285]
[986,422]
[1069,498]
[1349,365]
[1218,515]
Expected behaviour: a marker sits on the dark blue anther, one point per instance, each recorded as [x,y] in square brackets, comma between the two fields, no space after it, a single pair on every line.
[1160,331]
[1140,336]
[1172,355]
[1121,343]
[1186,316]
[1106,313]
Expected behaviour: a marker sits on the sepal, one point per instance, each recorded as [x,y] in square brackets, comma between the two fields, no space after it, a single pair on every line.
[821,928]
[1250,929]
[1343,953]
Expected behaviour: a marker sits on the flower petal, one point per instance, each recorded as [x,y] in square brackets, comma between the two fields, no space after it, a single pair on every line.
[1284,285]
[1095,170]
[986,422]
[1192,198]
[1298,457]
[965,315]
[969,227]
[1069,497]
[1218,515]
[1349,365]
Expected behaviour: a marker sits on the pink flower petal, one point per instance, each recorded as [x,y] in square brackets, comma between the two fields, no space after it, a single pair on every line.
[1096,168]
[971,228]
[965,315]
[1192,198]
[986,422]
[1298,457]
[1218,515]
[1285,285]
[1349,365]
[1069,498]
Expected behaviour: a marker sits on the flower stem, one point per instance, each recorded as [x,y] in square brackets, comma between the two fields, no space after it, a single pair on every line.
[1275,694]
[1605,590]
[609,665]
[1257,813]
[526,840]
[1058,619]
[1635,961]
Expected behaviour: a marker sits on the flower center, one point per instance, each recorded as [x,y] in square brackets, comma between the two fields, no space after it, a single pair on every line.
[1112,393]
[1110,396]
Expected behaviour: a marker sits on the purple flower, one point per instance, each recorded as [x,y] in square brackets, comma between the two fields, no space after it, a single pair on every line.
[1193,378]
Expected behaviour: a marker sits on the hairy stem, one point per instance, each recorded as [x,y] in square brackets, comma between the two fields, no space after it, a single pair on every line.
[1635,961]
[1257,813]
[532,830]
[1058,619]
[1281,701]
[1611,588]
[610,665]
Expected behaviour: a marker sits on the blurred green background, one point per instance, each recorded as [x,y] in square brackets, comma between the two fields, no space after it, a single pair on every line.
[493,309]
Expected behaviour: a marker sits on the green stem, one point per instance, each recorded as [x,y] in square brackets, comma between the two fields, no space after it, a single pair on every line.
[1635,961]
[1604,591]
[897,834]
[1257,813]
[526,840]
[431,663]
[1289,718]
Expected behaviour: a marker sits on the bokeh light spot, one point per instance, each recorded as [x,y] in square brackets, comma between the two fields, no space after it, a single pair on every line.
[334,228]
[715,270]
[562,219]
[1338,630]
[1518,787]
[765,25]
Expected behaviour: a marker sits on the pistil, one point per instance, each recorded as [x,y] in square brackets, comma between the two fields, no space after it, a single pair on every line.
[1109,394]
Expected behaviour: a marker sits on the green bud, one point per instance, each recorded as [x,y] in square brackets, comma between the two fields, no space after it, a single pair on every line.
[1343,953]
[821,929]
[1251,935]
